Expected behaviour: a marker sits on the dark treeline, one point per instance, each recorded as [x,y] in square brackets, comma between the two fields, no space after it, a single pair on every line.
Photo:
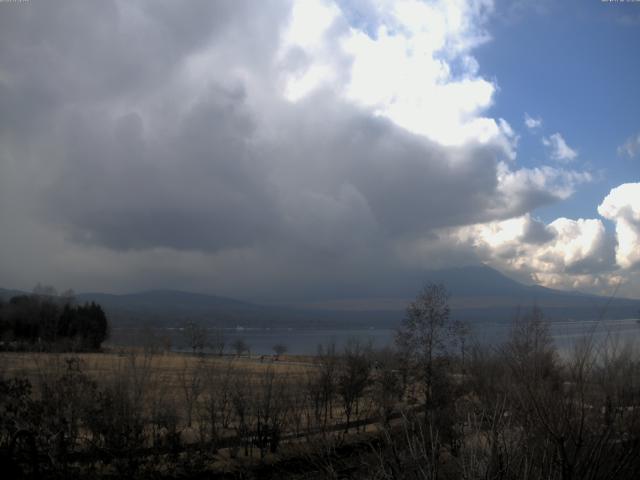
[436,407]
[51,322]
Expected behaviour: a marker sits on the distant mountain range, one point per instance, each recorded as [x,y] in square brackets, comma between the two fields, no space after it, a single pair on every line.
[484,293]
[478,293]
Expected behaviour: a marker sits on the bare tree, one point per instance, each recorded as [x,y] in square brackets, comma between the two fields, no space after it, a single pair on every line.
[425,338]
[241,402]
[118,420]
[354,378]
[149,339]
[191,382]
[195,335]
[218,341]
[530,352]
[386,383]
[327,362]
[301,406]
[279,349]
[462,332]
[240,346]
[269,408]
[215,408]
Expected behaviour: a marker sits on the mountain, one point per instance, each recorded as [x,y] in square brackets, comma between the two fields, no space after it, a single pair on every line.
[481,293]
[483,285]
[480,280]
[170,301]
[478,293]
[172,307]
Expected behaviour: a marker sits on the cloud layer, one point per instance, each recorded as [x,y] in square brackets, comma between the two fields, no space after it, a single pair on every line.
[267,149]
[570,254]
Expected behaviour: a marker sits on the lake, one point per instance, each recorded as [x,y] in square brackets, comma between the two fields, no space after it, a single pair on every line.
[305,341]
[565,335]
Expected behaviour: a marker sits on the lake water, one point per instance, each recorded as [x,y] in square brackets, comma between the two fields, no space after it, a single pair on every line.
[565,335]
[306,341]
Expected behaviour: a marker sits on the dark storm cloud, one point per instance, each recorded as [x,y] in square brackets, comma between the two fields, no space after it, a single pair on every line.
[130,127]
[410,185]
[77,52]
[196,188]
[339,176]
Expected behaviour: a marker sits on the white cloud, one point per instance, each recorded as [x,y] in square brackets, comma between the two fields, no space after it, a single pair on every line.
[532,123]
[622,206]
[405,71]
[308,36]
[631,147]
[525,183]
[577,245]
[559,149]
[566,253]
[569,245]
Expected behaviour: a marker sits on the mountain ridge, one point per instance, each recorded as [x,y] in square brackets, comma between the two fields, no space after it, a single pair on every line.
[477,293]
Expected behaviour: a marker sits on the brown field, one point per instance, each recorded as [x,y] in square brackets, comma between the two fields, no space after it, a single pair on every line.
[167,365]
[166,377]
[271,392]
[160,379]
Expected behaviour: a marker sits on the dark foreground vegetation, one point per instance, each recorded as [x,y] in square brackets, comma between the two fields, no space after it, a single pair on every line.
[436,407]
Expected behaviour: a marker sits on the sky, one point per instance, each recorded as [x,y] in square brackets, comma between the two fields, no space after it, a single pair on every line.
[282,151]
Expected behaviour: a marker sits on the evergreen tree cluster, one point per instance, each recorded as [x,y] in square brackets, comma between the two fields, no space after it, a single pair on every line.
[51,321]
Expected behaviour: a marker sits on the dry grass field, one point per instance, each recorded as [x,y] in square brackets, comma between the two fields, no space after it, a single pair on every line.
[181,380]
[167,366]
[231,409]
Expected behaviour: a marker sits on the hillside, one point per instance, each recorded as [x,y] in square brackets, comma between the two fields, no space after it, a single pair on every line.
[478,293]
